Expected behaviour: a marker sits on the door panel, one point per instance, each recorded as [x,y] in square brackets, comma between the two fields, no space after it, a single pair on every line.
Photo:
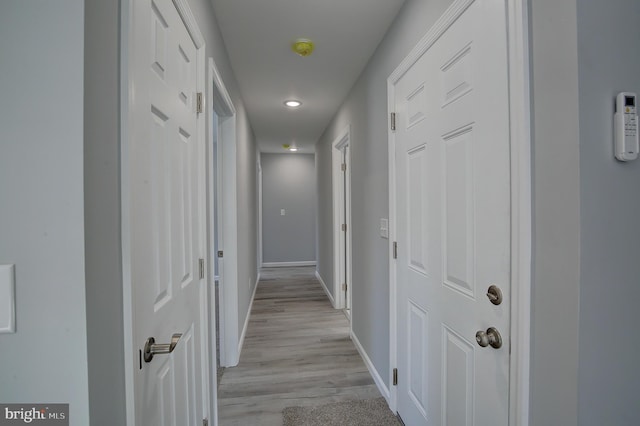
[457,379]
[165,204]
[416,199]
[459,213]
[417,351]
[453,230]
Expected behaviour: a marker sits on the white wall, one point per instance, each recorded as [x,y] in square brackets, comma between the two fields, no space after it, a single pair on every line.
[365,109]
[609,374]
[288,182]
[42,212]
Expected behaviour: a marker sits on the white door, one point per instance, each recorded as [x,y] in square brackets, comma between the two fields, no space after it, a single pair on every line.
[342,217]
[346,208]
[342,214]
[166,174]
[453,225]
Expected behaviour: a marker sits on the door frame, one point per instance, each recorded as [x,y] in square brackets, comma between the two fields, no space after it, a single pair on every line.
[127,119]
[260,230]
[223,106]
[521,203]
[339,198]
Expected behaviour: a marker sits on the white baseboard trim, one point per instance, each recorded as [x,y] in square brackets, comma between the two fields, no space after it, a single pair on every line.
[285,264]
[326,290]
[246,320]
[384,390]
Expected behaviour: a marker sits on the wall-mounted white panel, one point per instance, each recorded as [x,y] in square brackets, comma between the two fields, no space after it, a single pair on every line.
[7,299]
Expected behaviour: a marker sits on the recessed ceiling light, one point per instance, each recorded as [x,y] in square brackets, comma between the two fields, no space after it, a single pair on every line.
[292,103]
[293,149]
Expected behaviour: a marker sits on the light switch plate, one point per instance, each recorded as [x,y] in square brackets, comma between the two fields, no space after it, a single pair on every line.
[282,212]
[384,228]
[7,299]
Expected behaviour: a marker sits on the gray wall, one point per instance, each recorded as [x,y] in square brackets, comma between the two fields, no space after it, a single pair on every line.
[288,182]
[102,204]
[324,208]
[365,109]
[608,36]
[103,245]
[42,207]
[559,192]
[59,179]
[556,213]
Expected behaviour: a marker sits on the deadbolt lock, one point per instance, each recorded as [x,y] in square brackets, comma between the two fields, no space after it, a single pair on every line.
[494,294]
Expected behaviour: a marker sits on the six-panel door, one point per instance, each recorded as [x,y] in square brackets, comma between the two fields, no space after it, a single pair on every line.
[453,230]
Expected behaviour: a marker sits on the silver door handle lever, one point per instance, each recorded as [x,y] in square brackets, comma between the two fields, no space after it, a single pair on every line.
[152,348]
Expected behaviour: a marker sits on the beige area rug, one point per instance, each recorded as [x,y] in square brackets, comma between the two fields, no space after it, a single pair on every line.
[367,412]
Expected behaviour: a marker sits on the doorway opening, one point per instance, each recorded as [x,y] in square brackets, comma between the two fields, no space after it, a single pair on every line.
[221,226]
[341,164]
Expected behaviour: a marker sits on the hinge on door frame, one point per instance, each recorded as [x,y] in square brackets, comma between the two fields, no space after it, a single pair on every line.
[393,121]
[395,250]
[201,268]
[205,422]
[344,227]
[395,377]
[344,286]
[199,102]
[220,253]
[343,167]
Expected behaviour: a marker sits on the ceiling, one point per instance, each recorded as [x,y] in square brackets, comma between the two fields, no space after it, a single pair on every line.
[258,35]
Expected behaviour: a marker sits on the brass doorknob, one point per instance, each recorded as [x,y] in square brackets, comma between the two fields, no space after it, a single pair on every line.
[491,337]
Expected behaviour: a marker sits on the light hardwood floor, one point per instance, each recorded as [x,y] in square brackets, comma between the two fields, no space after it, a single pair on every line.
[297,352]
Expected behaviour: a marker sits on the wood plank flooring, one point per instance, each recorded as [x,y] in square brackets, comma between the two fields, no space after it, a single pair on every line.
[297,351]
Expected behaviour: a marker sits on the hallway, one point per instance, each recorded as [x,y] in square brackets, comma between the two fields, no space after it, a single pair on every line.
[297,352]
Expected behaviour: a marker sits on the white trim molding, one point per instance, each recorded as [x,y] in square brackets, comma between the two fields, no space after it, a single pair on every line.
[246,320]
[377,378]
[190,22]
[288,264]
[521,208]
[521,225]
[223,107]
[326,289]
